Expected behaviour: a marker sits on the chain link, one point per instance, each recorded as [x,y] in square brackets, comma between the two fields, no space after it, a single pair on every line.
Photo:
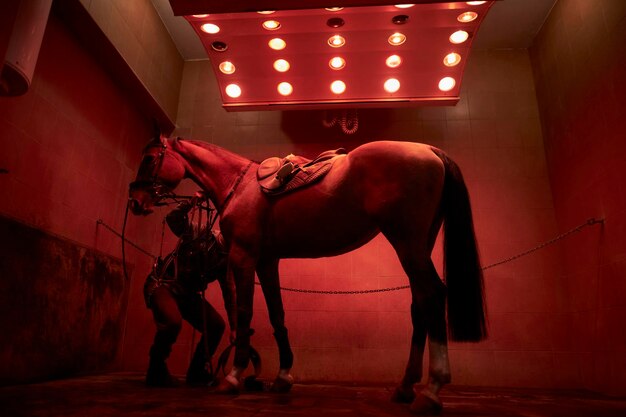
[590,222]
[562,236]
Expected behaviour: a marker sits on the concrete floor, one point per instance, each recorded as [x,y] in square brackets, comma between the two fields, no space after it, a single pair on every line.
[126,395]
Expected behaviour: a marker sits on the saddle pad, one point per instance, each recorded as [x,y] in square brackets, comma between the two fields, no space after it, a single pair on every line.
[281,175]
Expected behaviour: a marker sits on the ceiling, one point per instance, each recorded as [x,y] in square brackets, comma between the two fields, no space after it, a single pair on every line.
[510,24]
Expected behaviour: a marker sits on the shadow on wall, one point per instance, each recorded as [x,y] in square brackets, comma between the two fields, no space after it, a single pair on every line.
[315,126]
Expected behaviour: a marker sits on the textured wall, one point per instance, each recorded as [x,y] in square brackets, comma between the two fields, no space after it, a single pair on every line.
[495,135]
[579,61]
[61,314]
[70,146]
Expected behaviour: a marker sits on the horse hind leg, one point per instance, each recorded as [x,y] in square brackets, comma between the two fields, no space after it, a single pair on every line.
[267,271]
[428,296]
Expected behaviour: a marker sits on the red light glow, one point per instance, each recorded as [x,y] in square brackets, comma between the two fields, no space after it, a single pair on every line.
[393,61]
[277,44]
[467,17]
[338,87]
[396,55]
[337,63]
[210,28]
[336,41]
[458,37]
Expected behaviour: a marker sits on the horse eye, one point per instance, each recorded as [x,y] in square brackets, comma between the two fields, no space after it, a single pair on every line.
[147,159]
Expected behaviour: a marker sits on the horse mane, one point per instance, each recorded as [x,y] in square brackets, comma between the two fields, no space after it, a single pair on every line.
[213,148]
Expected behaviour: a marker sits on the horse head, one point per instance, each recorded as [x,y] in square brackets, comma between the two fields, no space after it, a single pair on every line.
[159,173]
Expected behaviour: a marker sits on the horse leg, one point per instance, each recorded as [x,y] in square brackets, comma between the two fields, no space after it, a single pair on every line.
[413,372]
[428,318]
[242,268]
[267,270]
[428,402]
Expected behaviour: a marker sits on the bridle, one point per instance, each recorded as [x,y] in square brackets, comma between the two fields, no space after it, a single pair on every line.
[156,188]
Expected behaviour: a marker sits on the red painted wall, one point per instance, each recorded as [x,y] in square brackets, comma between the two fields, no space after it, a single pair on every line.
[494,134]
[71,146]
[579,62]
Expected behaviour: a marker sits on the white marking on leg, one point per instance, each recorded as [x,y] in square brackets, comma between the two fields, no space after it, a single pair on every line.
[234,375]
[439,363]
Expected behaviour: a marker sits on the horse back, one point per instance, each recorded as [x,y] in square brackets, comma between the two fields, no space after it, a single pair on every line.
[345,209]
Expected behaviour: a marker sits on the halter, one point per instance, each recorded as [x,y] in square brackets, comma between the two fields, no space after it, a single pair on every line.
[155,187]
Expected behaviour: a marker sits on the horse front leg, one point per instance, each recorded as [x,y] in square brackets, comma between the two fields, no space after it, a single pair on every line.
[267,270]
[242,267]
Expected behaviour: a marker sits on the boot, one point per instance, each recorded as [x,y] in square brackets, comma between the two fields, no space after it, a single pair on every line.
[197,373]
[200,377]
[159,376]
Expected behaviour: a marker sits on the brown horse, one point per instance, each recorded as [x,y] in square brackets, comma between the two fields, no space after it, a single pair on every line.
[404,190]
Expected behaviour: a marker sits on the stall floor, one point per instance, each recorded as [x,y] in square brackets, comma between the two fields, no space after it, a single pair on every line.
[124,394]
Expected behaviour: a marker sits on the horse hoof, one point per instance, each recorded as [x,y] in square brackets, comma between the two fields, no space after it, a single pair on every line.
[281,385]
[426,406]
[403,395]
[226,387]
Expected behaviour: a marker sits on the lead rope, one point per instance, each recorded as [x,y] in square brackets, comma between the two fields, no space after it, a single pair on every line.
[208,359]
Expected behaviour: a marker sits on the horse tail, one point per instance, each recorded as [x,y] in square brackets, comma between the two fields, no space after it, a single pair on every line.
[462,271]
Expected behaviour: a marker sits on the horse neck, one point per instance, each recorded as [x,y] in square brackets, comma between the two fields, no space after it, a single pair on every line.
[214,169]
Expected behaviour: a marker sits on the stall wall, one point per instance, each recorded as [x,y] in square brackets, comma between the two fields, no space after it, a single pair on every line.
[137,32]
[70,147]
[579,62]
[494,134]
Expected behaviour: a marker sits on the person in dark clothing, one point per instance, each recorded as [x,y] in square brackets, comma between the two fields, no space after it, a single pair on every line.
[174,292]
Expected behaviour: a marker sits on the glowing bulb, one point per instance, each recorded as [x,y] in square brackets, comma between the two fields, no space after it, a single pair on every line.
[336,41]
[459,36]
[281,65]
[452,59]
[266,11]
[476,3]
[271,24]
[337,63]
[233,90]
[397,39]
[392,85]
[227,67]
[393,61]
[404,6]
[338,87]
[447,84]
[200,16]
[284,89]
[277,44]
[334,9]
[210,28]
[467,17]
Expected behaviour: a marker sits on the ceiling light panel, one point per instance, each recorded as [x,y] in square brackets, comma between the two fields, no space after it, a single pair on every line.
[366,31]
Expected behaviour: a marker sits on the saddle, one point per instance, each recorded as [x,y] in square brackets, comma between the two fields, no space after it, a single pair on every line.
[281,175]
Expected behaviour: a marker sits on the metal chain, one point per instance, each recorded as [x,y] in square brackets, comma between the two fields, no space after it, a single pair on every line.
[589,222]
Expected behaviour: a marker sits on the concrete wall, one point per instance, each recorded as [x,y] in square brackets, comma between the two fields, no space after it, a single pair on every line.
[579,62]
[70,145]
[136,30]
